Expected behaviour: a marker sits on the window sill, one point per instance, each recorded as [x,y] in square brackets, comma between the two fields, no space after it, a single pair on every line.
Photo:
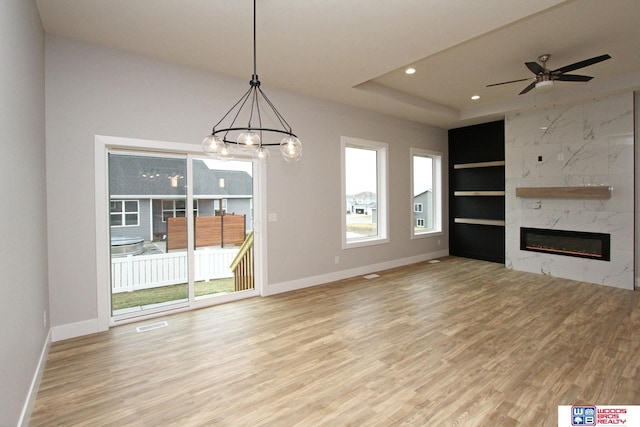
[367,241]
[433,233]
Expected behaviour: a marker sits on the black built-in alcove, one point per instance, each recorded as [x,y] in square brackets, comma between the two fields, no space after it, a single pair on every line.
[476,192]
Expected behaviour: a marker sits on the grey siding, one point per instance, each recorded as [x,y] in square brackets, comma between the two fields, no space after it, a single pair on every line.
[206,207]
[426,198]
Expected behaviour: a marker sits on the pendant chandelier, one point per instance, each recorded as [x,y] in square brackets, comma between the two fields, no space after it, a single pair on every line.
[230,136]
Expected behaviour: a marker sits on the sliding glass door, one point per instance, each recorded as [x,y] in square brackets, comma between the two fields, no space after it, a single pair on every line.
[223,226]
[148,225]
[180,231]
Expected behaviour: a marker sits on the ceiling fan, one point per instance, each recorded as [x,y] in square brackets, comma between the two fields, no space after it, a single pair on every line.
[544,77]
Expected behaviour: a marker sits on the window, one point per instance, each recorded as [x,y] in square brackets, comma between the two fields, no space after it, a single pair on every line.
[124,213]
[364,192]
[426,192]
[176,209]
[220,206]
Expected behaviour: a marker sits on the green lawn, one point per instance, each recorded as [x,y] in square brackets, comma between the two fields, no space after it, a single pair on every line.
[362,225]
[169,293]
[362,228]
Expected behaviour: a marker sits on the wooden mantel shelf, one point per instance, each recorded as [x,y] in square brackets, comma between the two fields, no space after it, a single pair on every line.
[585,192]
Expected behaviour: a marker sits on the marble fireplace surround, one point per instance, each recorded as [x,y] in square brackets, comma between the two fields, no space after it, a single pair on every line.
[569,149]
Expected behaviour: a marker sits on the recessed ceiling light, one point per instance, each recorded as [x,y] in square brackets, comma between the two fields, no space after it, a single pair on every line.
[475,97]
[410,71]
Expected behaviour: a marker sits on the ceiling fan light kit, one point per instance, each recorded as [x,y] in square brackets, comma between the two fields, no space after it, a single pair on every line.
[544,85]
[543,81]
[252,106]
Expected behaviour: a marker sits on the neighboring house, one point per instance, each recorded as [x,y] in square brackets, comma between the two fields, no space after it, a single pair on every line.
[145,191]
[363,203]
[422,208]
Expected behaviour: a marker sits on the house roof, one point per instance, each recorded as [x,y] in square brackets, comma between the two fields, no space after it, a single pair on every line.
[159,176]
[424,192]
[362,195]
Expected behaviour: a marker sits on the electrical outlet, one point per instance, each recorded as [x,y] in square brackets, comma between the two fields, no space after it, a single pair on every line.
[438,242]
[336,259]
[44,318]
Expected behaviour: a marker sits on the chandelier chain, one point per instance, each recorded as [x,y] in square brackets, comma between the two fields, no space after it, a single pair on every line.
[251,136]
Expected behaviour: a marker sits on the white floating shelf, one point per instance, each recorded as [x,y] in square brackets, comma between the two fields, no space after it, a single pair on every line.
[478,193]
[479,165]
[495,222]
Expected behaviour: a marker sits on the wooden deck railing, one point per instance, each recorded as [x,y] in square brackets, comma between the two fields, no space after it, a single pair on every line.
[242,266]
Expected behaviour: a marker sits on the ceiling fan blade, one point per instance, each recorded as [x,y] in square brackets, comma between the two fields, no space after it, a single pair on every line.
[581,64]
[528,88]
[572,78]
[510,81]
[535,67]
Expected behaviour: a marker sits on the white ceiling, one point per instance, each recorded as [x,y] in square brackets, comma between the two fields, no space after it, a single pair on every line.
[355,51]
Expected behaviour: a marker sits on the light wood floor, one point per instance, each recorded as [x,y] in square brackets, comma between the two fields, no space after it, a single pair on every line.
[460,342]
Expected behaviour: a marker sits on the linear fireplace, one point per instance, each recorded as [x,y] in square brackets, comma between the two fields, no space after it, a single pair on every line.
[570,243]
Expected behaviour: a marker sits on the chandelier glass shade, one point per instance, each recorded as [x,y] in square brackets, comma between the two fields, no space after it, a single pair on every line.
[230,138]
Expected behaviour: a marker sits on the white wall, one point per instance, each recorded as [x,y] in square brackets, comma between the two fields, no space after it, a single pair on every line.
[584,144]
[23,256]
[636,107]
[92,90]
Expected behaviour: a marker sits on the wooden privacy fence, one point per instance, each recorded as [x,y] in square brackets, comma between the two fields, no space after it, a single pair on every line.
[209,231]
[137,272]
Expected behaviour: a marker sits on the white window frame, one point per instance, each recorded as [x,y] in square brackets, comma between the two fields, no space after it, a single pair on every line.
[417,207]
[382,193]
[123,213]
[419,222]
[436,209]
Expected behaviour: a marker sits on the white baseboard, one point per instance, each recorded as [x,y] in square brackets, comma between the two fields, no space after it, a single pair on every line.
[277,288]
[72,330]
[86,327]
[29,403]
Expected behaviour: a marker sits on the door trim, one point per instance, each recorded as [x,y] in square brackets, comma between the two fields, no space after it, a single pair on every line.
[104,144]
